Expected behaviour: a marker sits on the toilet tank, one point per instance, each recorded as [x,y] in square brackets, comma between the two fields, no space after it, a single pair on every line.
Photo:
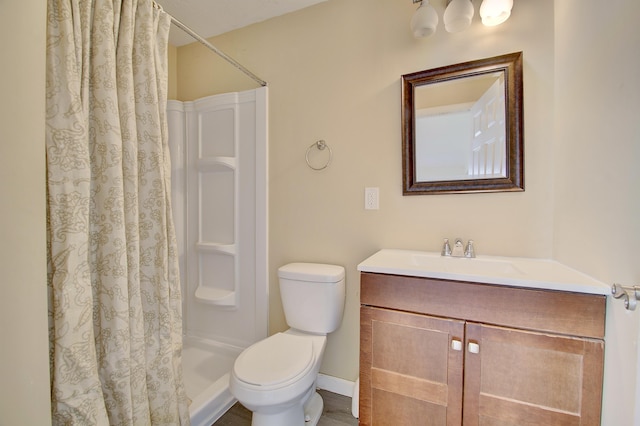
[313,296]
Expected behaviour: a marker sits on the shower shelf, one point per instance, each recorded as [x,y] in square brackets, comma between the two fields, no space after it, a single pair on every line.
[217,163]
[229,249]
[216,296]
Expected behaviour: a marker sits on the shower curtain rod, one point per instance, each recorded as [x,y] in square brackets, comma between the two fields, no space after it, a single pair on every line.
[211,47]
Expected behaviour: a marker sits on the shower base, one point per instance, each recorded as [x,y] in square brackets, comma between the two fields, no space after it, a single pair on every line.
[206,366]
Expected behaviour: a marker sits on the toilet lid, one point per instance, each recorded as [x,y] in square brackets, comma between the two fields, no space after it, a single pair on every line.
[274,360]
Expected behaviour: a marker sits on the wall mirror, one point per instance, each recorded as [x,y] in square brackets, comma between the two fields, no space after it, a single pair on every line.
[462,127]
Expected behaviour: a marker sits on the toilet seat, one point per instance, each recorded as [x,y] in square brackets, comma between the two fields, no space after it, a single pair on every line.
[275,361]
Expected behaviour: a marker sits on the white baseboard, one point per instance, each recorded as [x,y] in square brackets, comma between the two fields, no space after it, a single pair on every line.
[336,385]
[341,387]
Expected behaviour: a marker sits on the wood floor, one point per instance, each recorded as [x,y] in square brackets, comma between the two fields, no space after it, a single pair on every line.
[336,412]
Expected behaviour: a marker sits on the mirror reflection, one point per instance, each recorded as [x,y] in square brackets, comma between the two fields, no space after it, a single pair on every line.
[462,127]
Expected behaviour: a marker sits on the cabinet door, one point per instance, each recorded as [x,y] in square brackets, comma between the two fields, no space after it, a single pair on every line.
[514,377]
[409,372]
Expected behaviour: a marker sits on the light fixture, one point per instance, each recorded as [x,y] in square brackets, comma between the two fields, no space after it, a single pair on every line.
[458,15]
[424,20]
[495,12]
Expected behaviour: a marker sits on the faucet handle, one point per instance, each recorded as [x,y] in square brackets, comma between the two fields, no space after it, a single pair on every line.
[469,251]
[446,248]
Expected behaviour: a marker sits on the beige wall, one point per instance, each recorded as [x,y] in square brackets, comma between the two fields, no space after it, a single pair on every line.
[24,348]
[172,56]
[597,200]
[334,73]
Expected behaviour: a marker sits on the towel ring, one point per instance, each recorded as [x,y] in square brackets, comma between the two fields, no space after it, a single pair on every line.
[320,145]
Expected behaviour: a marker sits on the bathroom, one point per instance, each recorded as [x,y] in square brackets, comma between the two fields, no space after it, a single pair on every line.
[334,74]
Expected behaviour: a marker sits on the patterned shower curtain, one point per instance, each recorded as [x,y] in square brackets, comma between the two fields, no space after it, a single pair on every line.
[114,291]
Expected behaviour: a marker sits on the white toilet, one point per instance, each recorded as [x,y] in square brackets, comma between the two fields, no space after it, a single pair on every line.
[275,378]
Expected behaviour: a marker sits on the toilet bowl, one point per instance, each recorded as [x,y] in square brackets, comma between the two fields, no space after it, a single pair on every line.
[275,378]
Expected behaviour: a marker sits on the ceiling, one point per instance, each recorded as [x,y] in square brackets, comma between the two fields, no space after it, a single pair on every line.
[212,17]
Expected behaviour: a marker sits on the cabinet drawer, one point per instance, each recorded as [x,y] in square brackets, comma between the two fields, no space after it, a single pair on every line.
[574,314]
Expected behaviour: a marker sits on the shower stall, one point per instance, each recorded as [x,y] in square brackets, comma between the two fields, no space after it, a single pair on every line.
[219,198]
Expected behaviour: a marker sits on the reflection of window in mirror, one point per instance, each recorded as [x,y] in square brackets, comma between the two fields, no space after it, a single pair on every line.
[460,129]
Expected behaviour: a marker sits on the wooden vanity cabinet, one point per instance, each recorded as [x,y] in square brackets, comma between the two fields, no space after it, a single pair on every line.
[436,352]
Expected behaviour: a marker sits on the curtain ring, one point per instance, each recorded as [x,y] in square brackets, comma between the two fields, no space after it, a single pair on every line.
[320,145]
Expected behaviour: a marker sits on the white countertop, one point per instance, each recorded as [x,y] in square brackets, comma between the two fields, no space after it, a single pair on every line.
[510,271]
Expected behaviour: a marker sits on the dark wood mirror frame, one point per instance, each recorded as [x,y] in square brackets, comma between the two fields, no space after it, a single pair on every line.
[511,66]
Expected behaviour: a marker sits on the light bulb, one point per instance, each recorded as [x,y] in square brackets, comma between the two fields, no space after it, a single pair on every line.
[424,20]
[458,15]
[495,12]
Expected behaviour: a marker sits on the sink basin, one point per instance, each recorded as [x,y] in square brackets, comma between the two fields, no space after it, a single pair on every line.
[476,266]
[511,271]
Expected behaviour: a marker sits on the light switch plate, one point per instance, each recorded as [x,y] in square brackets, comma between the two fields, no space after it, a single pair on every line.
[371,198]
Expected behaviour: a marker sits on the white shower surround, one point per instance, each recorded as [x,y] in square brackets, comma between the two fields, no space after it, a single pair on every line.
[219,184]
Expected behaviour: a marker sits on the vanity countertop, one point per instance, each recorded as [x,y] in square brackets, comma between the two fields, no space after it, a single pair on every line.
[509,271]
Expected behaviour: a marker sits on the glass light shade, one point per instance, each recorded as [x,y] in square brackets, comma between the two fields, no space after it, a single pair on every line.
[458,15]
[424,20]
[495,12]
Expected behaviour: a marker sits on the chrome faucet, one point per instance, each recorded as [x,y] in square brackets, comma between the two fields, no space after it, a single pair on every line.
[459,249]
[446,248]
[469,251]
